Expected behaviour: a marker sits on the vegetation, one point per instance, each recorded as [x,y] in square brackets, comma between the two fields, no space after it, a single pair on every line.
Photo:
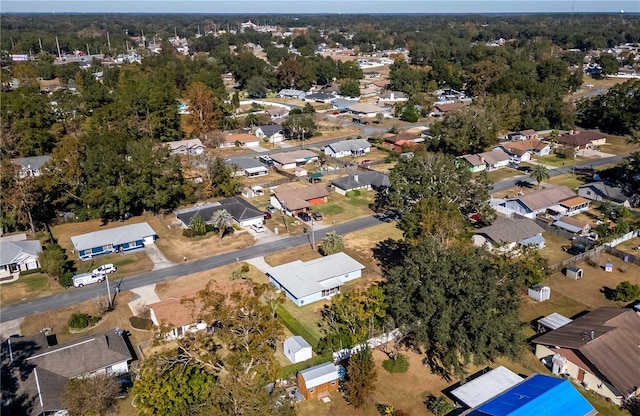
[78,320]
[539,173]
[627,291]
[360,378]
[399,364]
[95,395]
[617,111]
[331,243]
[438,405]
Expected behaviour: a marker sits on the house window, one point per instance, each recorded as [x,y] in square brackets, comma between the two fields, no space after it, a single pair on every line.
[333,382]
[588,192]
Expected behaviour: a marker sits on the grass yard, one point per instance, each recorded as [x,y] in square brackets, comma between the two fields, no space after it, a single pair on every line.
[557,160]
[31,286]
[617,145]
[342,208]
[569,180]
[553,248]
[500,174]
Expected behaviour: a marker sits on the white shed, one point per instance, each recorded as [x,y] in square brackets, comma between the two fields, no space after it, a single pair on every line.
[540,292]
[296,349]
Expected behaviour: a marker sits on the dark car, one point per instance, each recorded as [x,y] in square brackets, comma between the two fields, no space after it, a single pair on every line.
[304,216]
[267,215]
[317,216]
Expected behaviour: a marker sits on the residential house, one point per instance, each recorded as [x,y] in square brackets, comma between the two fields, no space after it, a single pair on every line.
[558,199]
[243,212]
[392,97]
[538,394]
[599,350]
[403,146]
[320,97]
[571,225]
[31,166]
[367,110]
[523,135]
[293,200]
[492,160]
[293,159]
[239,140]
[441,109]
[186,147]
[342,104]
[246,166]
[277,113]
[362,180]
[297,349]
[405,136]
[602,191]
[311,281]
[506,234]
[478,390]
[369,90]
[319,380]
[41,367]
[347,148]
[291,93]
[174,319]
[521,151]
[113,240]
[272,133]
[580,140]
[18,256]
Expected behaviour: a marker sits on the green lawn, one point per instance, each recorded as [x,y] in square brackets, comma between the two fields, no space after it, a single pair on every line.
[31,286]
[500,174]
[556,159]
[569,180]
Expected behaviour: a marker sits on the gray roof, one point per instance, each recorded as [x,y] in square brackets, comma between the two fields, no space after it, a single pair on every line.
[545,198]
[296,343]
[343,102]
[10,250]
[350,145]
[319,96]
[373,178]
[56,364]
[243,162]
[271,129]
[554,321]
[293,156]
[33,162]
[487,386]
[510,230]
[608,192]
[239,209]
[305,278]
[288,91]
[319,374]
[117,235]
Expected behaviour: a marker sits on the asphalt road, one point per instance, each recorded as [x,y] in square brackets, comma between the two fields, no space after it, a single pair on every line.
[513,181]
[73,295]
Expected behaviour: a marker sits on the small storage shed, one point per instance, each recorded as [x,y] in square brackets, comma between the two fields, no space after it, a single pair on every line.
[318,380]
[574,272]
[540,292]
[608,267]
[297,349]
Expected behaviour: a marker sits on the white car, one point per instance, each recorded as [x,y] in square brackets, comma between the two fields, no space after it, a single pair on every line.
[257,228]
[104,269]
[83,279]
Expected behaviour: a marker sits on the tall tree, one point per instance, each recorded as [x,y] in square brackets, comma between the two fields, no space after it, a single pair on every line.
[95,395]
[361,378]
[461,309]
[470,130]
[331,243]
[294,73]
[205,110]
[222,180]
[350,88]
[539,173]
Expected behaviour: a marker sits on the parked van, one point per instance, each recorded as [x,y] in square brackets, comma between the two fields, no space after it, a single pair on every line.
[82,279]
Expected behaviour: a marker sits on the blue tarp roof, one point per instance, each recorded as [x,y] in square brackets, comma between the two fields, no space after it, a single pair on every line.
[538,395]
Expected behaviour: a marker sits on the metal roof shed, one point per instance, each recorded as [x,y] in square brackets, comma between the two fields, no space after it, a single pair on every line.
[486,387]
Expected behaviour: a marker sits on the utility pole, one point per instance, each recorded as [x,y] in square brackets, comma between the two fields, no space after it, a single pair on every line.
[109,41]
[58,45]
[106,277]
[313,236]
[40,43]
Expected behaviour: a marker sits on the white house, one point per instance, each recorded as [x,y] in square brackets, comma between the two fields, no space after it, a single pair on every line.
[243,212]
[345,148]
[239,140]
[308,282]
[297,349]
[522,150]
[393,97]
[18,256]
[272,133]
[113,240]
[293,159]
[174,318]
[368,110]
[186,147]
[31,166]
[291,93]
[557,200]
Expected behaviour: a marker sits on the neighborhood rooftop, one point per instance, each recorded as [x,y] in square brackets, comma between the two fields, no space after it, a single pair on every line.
[350,145]
[305,278]
[546,197]
[115,236]
[509,230]
[319,374]
[10,250]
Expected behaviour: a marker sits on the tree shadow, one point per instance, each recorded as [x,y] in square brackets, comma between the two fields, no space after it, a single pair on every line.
[15,371]
[524,184]
[608,292]
[390,253]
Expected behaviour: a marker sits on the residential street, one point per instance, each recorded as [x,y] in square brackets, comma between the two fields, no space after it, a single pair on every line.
[72,295]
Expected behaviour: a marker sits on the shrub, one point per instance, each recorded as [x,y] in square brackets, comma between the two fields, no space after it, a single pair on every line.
[354,193]
[245,268]
[78,320]
[66,280]
[399,365]
[438,405]
[94,320]
[189,233]
[626,291]
[140,323]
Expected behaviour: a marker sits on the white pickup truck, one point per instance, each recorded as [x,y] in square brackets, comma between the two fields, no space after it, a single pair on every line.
[82,279]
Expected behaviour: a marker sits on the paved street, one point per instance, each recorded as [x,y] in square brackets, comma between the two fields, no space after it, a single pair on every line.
[72,296]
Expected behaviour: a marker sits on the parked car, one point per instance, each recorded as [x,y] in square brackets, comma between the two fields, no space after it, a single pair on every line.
[257,228]
[316,216]
[83,279]
[304,216]
[104,269]
[271,209]
[267,215]
[365,162]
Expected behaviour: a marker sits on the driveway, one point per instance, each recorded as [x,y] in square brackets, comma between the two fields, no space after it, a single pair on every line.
[259,263]
[156,256]
[594,153]
[146,295]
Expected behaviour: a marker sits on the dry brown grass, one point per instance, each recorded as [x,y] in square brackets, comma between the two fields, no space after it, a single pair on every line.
[27,287]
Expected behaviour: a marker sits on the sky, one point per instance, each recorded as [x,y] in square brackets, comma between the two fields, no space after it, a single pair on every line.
[316,6]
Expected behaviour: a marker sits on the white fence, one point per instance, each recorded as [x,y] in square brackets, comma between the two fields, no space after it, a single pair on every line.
[628,236]
[373,343]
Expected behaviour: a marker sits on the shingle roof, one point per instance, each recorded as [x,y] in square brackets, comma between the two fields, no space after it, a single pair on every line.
[612,193]
[350,145]
[288,91]
[366,108]
[240,137]
[521,146]
[490,158]
[400,136]
[243,162]
[613,349]
[11,250]
[305,278]
[510,230]
[375,179]
[573,201]
[239,209]
[444,108]
[580,139]
[189,144]
[297,198]
[285,158]
[271,129]
[546,197]
[117,235]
